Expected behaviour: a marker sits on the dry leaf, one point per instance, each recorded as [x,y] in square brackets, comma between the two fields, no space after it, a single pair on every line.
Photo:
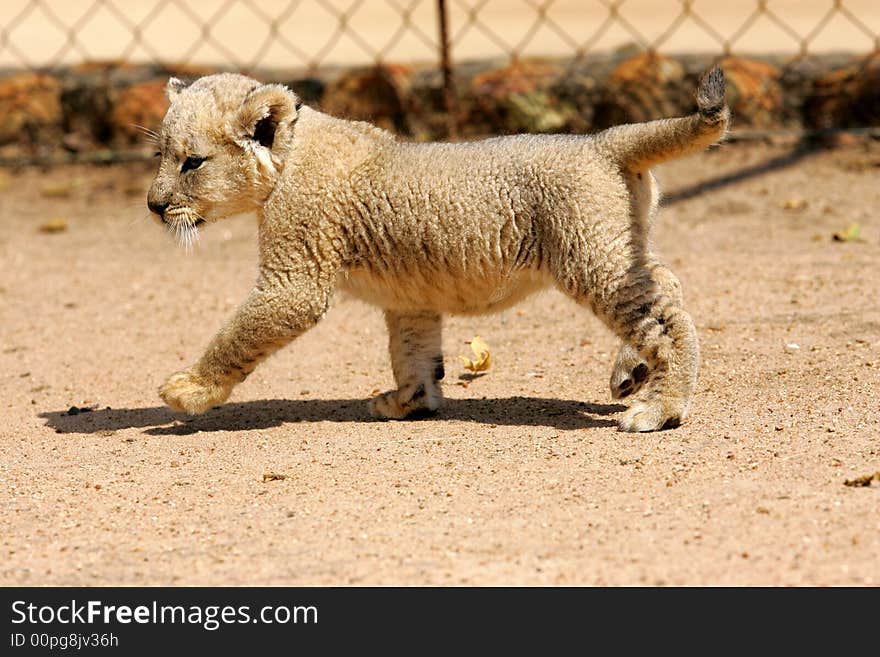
[794,204]
[274,476]
[57,225]
[863,481]
[481,351]
[851,234]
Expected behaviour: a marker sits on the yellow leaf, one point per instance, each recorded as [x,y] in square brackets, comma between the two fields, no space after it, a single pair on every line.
[57,225]
[851,234]
[481,351]
[794,204]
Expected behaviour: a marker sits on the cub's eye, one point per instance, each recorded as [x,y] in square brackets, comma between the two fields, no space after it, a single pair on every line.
[157,154]
[192,163]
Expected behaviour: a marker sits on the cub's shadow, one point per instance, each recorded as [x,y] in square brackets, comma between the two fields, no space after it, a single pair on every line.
[266,413]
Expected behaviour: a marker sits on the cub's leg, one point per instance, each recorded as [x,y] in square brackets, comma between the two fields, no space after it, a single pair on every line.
[630,369]
[414,340]
[624,294]
[645,316]
[272,315]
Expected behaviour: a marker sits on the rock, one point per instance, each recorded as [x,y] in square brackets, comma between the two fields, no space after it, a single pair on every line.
[580,91]
[426,105]
[516,98]
[143,104]
[86,101]
[30,108]
[642,88]
[377,94]
[89,97]
[846,97]
[753,92]
[309,90]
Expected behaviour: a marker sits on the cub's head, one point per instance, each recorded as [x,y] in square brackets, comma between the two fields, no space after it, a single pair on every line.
[222,145]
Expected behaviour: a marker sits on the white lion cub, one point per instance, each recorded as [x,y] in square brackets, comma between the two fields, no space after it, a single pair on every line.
[421,230]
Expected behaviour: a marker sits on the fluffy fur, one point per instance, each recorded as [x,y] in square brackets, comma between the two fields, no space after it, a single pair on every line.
[422,230]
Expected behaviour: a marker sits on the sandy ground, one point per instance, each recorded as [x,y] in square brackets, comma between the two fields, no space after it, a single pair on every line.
[309,31]
[522,479]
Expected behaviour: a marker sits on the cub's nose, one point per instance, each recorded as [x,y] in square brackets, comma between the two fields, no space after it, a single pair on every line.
[157,207]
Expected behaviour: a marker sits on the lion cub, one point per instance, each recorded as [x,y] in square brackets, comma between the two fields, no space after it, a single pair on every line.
[421,230]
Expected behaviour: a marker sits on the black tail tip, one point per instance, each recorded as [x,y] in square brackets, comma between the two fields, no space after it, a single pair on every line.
[710,93]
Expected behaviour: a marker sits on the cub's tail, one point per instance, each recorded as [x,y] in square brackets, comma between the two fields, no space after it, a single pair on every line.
[640,146]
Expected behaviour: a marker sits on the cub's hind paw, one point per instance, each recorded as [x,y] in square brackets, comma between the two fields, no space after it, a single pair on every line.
[644,416]
[629,373]
[417,403]
[186,391]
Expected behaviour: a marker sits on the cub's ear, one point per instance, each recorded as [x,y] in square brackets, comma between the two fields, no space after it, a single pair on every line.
[263,112]
[174,87]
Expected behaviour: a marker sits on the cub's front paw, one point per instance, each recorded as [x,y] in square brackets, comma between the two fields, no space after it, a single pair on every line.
[408,403]
[386,407]
[188,392]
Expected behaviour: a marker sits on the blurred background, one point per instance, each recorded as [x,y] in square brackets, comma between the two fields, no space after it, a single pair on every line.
[77,76]
[247,34]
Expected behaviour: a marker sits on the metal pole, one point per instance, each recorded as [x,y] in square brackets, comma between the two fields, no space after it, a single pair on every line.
[450,99]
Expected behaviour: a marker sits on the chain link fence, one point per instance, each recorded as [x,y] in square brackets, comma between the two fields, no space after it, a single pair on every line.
[309,34]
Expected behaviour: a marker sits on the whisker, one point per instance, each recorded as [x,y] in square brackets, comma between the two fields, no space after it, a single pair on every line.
[185,232]
[145,131]
[139,220]
[149,136]
[191,237]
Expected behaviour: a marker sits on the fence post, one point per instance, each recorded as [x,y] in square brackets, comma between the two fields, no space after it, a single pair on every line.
[450,100]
